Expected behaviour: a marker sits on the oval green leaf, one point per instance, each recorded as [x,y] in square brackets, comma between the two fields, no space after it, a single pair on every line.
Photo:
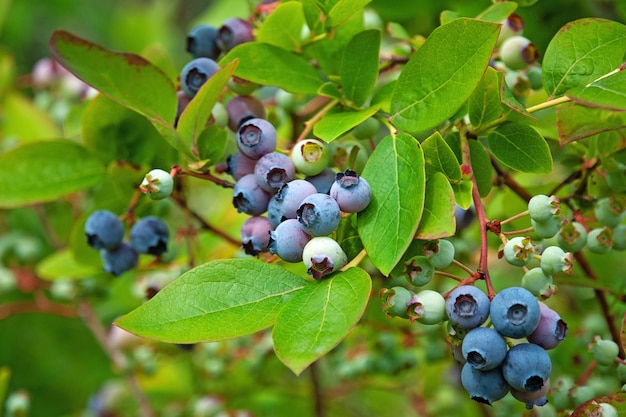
[283,27]
[520,147]
[359,66]
[438,219]
[432,87]
[439,157]
[581,52]
[389,222]
[320,316]
[575,122]
[215,301]
[44,171]
[607,93]
[485,104]
[335,124]
[63,265]
[267,64]
[481,167]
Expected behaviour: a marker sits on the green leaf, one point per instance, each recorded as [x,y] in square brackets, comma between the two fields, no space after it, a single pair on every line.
[438,219]
[330,89]
[344,10]
[283,27]
[359,66]
[607,93]
[520,147]
[45,171]
[335,124]
[581,52]
[63,265]
[319,316]
[485,105]
[439,157]
[463,193]
[215,301]
[267,64]
[23,120]
[389,222]
[127,78]
[194,118]
[575,122]
[481,167]
[432,87]
[498,12]
[212,143]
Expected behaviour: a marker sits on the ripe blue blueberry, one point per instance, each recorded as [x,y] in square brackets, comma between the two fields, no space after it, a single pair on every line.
[551,329]
[243,108]
[256,137]
[467,307]
[239,165]
[322,256]
[484,387]
[323,181]
[351,191]
[463,217]
[234,31]
[395,300]
[255,235]
[273,170]
[290,196]
[248,197]
[515,312]
[104,230]
[196,73]
[157,184]
[519,251]
[288,241]
[274,213]
[149,235]
[484,348]
[319,214]
[202,41]
[527,367]
[120,259]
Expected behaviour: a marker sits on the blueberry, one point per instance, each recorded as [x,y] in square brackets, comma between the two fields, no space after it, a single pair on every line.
[600,240]
[256,137]
[547,229]
[538,283]
[234,31]
[120,259]
[531,399]
[463,217]
[274,213]
[572,237]
[484,348]
[440,252]
[619,237]
[555,260]
[351,191]
[104,230]
[395,300]
[248,197]
[319,214]
[609,211]
[255,235]
[273,170]
[202,42]
[310,156]
[323,256]
[517,52]
[515,312]
[427,307]
[243,108]
[323,181]
[149,235]
[604,351]
[550,331]
[290,196]
[196,73]
[511,26]
[288,241]
[484,387]
[467,307]
[527,367]
[418,270]
[542,208]
[239,165]
[519,251]
[157,184]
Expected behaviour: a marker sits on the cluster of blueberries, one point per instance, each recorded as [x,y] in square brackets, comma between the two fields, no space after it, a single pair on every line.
[301,213]
[105,232]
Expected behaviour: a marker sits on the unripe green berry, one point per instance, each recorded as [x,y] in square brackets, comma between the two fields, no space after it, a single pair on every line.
[604,351]
[367,129]
[582,394]
[535,77]
[538,283]
[607,410]
[519,251]
[418,270]
[322,256]
[427,307]
[395,301]
[609,211]
[600,240]
[621,372]
[555,260]
[547,229]
[619,237]
[572,237]
[517,52]
[310,156]
[439,252]
[542,208]
[157,184]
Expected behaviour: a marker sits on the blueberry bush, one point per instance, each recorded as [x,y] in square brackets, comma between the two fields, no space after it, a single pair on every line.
[317,208]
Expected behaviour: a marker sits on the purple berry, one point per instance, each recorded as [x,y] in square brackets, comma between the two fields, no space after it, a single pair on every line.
[319,214]
[255,235]
[240,109]
[288,241]
[352,192]
[550,331]
[290,196]
[234,31]
[248,197]
[239,165]
[273,170]
[202,41]
[256,137]
[323,181]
